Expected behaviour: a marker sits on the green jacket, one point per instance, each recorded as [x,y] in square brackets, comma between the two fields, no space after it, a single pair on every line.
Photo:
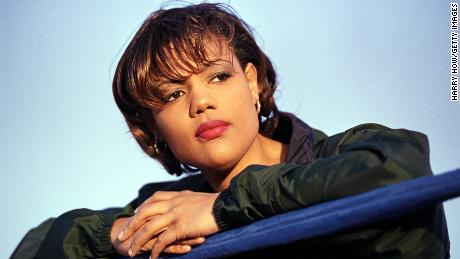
[317,169]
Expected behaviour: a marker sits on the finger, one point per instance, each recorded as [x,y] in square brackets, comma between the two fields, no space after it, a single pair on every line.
[148,246]
[144,214]
[191,242]
[160,196]
[178,245]
[177,249]
[150,229]
[164,239]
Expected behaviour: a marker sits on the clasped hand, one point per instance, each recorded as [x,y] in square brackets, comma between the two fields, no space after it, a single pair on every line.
[168,222]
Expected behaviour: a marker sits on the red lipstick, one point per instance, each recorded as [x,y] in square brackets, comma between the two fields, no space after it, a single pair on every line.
[211,129]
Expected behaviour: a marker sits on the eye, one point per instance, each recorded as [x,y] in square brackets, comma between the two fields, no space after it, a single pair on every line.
[220,77]
[175,95]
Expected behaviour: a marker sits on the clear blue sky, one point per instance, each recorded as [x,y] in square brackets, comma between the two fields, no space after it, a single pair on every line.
[65,144]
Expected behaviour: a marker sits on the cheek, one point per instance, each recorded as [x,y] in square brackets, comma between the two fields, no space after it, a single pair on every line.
[170,127]
[241,106]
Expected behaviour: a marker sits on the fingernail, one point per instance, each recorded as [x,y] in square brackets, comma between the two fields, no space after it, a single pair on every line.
[135,211]
[120,236]
[130,252]
[186,248]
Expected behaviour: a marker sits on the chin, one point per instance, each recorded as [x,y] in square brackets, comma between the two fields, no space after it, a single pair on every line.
[220,160]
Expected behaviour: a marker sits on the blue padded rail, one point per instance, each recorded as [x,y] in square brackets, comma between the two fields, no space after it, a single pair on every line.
[332,216]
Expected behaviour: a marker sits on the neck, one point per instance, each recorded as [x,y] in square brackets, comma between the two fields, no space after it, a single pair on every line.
[264,151]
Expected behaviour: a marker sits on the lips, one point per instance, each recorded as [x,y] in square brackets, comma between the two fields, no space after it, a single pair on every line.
[211,129]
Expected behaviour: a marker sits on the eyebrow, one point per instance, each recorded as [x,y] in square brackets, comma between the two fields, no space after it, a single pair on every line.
[181,81]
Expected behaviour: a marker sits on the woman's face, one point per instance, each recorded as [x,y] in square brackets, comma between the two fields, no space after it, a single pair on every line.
[210,120]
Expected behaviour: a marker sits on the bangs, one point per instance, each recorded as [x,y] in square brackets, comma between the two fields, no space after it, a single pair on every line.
[178,45]
[180,58]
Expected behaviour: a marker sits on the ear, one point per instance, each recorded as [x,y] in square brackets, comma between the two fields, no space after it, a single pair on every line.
[250,72]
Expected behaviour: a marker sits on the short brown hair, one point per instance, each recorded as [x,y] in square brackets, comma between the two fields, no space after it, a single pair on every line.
[181,33]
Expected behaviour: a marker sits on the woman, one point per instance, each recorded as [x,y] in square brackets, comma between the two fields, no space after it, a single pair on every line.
[197,94]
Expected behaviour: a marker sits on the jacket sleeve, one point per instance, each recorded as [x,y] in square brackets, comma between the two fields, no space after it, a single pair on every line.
[82,233]
[31,242]
[362,158]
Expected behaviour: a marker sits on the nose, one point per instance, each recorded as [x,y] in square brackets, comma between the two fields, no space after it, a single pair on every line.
[201,100]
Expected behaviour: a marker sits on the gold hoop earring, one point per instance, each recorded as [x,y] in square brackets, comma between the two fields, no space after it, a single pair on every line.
[258,106]
[155,148]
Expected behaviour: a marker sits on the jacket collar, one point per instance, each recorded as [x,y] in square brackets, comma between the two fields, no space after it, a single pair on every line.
[298,135]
